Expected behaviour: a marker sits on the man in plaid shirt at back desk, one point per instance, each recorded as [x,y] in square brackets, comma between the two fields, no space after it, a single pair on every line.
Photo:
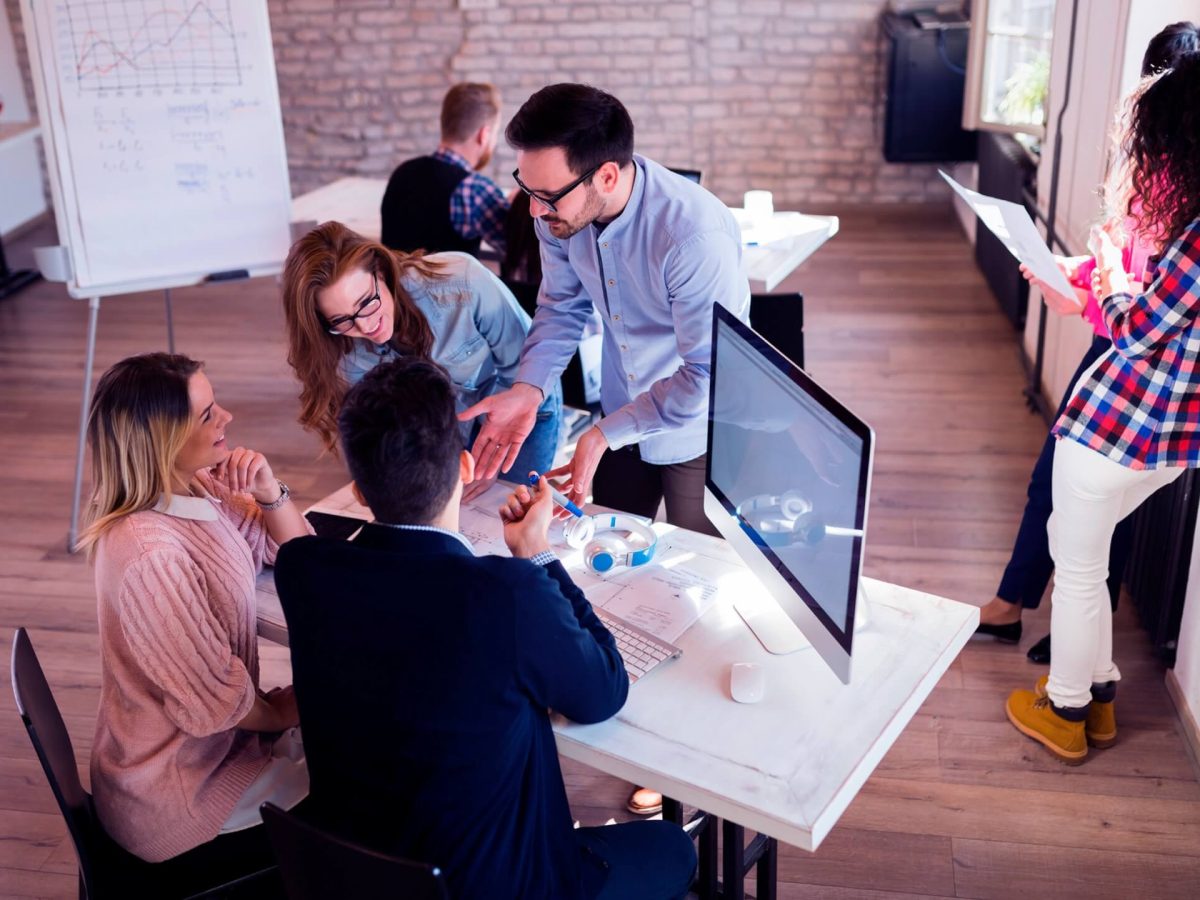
[443,201]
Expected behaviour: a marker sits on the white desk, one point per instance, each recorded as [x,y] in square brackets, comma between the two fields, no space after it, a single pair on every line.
[788,766]
[797,237]
[354,201]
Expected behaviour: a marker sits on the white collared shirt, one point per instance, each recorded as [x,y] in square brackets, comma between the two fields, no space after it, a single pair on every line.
[461,538]
[183,506]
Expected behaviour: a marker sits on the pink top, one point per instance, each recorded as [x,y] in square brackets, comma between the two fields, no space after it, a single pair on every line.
[179,669]
[1135,257]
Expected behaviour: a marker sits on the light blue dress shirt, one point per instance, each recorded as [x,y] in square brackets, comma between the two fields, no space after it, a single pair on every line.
[653,274]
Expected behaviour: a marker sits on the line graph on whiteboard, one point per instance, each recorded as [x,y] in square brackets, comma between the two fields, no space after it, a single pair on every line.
[140,45]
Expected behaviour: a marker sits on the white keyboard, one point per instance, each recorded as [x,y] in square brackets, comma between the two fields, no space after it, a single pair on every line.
[640,650]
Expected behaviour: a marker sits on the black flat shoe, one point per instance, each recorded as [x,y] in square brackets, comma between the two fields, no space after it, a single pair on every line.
[1005,634]
[1040,652]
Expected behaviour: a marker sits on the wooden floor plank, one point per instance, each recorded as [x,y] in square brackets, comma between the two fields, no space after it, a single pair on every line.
[998,869]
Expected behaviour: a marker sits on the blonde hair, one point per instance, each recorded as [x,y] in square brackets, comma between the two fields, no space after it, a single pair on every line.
[139,423]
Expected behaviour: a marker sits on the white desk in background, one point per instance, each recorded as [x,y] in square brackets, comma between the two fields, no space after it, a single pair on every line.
[775,249]
[353,201]
[787,766]
[794,237]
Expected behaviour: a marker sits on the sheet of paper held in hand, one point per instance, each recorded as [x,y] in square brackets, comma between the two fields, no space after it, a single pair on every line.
[1011,224]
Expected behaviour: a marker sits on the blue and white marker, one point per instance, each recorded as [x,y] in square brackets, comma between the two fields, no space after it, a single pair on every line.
[559,497]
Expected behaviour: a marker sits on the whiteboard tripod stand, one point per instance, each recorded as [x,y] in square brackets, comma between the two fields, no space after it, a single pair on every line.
[54,264]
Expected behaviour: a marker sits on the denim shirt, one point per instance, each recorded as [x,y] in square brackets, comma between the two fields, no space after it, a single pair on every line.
[478,329]
[653,273]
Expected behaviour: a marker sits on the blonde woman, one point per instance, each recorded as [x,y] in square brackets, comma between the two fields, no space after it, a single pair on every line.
[187,747]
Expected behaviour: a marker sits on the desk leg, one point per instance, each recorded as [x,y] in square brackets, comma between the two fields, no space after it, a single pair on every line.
[767,871]
[737,860]
[85,408]
[703,829]
[707,886]
[733,860]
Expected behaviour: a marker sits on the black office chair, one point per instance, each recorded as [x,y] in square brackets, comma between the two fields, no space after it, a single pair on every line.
[317,865]
[690,174]
[780,319]
[105,868]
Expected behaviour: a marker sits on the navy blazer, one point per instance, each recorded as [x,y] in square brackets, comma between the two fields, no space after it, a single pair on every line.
[423,676]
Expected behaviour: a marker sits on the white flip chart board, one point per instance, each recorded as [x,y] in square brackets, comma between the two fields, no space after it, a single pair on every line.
[164,139]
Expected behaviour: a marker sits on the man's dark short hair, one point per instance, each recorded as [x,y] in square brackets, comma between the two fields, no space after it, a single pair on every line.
[401,440]
[592,126]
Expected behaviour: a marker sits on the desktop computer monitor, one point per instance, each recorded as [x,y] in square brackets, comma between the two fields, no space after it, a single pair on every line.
[787,482]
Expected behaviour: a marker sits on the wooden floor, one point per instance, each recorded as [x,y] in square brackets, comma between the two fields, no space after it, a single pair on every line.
[901,327]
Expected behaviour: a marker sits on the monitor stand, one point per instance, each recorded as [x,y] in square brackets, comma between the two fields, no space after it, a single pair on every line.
[777,633]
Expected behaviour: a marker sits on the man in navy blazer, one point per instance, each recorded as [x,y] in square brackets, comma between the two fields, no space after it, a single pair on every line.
[424,673]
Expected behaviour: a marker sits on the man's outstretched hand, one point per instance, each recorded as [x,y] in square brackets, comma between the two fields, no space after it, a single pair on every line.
[580,470]
[510,416]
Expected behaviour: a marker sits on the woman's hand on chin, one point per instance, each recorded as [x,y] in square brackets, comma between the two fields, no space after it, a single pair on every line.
[246,471]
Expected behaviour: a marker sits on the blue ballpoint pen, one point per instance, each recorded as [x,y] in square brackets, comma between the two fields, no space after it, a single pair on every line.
[559,497]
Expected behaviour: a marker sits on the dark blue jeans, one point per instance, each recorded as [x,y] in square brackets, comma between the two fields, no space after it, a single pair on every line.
[637,861]
[1030,566]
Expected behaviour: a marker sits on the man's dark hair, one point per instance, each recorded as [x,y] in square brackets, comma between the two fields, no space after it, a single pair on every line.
[1170,45]
[591,125]
[401,440]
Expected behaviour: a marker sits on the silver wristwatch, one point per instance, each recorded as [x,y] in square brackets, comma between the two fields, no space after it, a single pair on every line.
[284,496]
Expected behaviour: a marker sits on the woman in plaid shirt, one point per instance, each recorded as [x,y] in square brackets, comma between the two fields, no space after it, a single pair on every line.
[1133,422]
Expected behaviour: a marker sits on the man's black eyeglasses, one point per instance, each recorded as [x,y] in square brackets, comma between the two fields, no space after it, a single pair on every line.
[368,307]
[548,200]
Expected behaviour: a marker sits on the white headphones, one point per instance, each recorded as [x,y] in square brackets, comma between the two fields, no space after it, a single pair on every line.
[605,548]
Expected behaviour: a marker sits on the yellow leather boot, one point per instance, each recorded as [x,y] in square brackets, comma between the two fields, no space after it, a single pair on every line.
[1036,717]
[1101,724]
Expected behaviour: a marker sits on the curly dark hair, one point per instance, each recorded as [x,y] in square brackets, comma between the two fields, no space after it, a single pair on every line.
[1163,145]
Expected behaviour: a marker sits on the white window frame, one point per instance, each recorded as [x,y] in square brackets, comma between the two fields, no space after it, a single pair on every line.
[973,88]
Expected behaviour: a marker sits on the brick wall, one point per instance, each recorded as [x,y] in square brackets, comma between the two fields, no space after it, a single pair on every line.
[776,94]
[783,95]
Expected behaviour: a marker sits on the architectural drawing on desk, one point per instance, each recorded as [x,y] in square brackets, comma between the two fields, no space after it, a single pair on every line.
[664,597]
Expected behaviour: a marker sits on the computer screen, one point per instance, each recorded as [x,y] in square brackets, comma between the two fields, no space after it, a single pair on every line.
[787,484]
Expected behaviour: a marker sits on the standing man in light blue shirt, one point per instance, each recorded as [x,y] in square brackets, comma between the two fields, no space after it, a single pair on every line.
[652,252]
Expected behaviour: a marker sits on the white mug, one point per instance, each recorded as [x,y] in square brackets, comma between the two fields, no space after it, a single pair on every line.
[759,205]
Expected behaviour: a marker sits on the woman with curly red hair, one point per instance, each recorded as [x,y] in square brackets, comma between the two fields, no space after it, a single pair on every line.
[1132,424]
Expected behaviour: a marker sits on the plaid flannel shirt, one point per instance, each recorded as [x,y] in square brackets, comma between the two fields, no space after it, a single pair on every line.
[1140,405]
[477,207]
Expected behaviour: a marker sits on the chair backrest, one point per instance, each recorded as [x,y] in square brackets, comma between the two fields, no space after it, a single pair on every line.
[690,174]
[316,864]
[780,319]
[48,733]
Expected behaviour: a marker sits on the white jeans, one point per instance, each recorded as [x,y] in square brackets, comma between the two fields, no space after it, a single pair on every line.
[1091,495]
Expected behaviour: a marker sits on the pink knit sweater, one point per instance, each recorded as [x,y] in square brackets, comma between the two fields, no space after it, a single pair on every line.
[179,670]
